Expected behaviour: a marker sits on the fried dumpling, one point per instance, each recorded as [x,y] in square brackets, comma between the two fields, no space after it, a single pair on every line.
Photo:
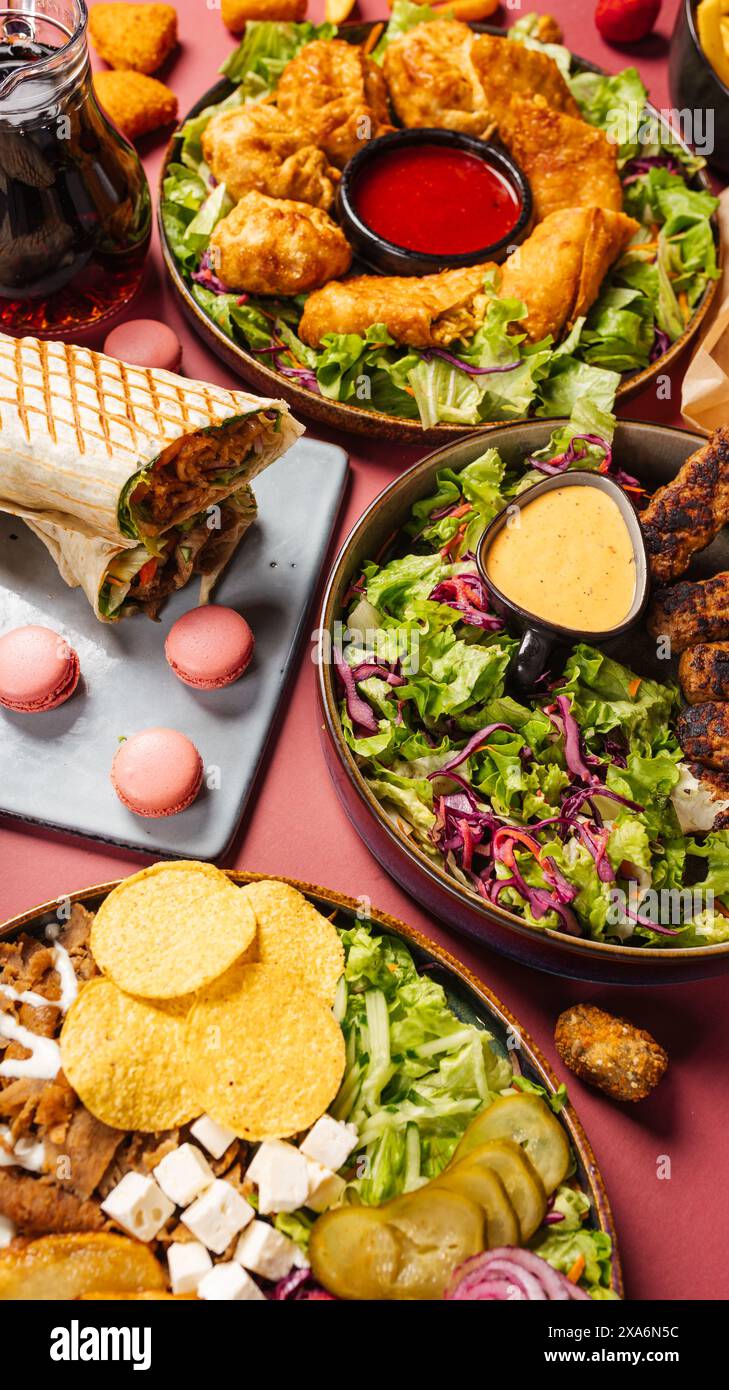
[277,246]
[506,68]
[332,90]
[557,272]
[419,312]
[256,147]
[432,80]
[568,163]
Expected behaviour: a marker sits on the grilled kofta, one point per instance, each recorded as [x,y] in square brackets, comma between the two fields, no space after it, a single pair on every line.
[692,612]
[684,516]
[703,732]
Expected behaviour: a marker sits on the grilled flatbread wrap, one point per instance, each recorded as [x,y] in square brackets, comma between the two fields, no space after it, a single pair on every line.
[123,453]
[118,581]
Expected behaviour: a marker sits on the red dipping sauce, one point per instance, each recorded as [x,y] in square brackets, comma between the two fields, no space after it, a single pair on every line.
[436,200]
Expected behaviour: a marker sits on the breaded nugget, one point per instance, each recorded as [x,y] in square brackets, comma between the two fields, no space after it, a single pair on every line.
[135,103]
[333,90]
[137,37]
[568,163]
[276,246]
[255,147]
[236,13]
[623,1061]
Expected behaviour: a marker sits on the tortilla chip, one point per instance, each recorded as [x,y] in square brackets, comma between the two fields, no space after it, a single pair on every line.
[171,929]
[265,1055]
[125,1058]
[293,935]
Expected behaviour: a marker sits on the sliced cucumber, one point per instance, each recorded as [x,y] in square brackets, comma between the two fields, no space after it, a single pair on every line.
[528,1120]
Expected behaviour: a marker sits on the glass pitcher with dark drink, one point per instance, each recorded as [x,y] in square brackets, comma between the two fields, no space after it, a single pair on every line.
[75,211]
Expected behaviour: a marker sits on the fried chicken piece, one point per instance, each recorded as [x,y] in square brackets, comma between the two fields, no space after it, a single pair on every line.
[235,14]
[703,733]
[276,246]
[256,147]
[608,1052]
[432,79]
[703,671]
[568,163]
[684,516]
[557,272]
[137,37]
[691,612]
[421,313]
[136,104]
[332,90]
[506,69]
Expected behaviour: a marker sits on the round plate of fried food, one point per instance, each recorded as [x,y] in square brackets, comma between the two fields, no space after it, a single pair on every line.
[614,279]
[302,1144]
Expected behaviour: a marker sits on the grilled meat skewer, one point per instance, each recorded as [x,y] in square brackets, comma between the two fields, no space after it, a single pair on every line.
[703,671]
[703,732]
[692,612]
[684,516]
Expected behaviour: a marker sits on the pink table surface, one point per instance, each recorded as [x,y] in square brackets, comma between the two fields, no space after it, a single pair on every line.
[673,1232]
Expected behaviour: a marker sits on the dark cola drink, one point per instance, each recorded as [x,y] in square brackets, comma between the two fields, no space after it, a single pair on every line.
[75,211]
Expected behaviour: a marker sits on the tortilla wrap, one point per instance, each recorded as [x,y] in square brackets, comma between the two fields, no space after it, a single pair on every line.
[123,453]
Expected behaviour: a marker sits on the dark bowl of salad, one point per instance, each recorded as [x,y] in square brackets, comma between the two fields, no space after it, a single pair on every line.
[553,825]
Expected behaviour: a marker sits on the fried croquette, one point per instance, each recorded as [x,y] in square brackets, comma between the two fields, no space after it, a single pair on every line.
[608,1052]
[136,103]
[133,37]
[236,13]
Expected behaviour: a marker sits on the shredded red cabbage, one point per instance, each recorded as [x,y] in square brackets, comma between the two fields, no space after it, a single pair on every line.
[468,366]
[468,595]
[635,168]
[360,713]
[205,276]
[298,1287]
[372,668]
[474,743]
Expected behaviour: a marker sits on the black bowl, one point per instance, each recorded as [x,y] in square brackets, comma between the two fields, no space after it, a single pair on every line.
[391,259]
[538,636]
[696,87]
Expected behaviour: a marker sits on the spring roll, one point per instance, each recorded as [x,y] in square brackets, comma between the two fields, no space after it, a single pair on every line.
[123,454]
[118,582]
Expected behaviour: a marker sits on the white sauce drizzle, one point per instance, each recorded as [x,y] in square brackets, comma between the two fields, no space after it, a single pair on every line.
[45,1060]
[26,1153]
[63,966]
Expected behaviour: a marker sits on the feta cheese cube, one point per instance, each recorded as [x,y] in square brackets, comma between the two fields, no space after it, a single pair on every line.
[228,1281]
[281,1176]
[325,1187]
[218,1215]
[188,1263]
[183,1174]
[266,1251]
[213,1137]
[138,1205]
[330,1142]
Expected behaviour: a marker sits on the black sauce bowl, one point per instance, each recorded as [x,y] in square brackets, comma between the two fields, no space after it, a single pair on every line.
[390,259]
[695,86]
[539,637]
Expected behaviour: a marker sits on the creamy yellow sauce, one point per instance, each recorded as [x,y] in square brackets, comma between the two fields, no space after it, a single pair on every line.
[567,557]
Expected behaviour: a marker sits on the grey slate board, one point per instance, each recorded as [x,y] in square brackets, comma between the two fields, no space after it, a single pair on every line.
[54,767]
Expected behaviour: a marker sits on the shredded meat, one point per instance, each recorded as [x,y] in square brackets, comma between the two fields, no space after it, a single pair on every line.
[180,484]
[40,1206]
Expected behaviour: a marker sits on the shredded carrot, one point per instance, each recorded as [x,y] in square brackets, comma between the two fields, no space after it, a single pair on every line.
[574,1273]
[372,38]
[645,246]
[464,508]
[683,305]
[634,687]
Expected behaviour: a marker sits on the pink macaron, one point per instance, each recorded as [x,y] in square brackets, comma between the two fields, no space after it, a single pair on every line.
[209,647]
[145,343]
[38,670]
[157,772]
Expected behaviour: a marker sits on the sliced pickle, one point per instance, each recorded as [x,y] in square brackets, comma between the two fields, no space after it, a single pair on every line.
[483,1185]
[528,1120]
[354,1253]
[438,1229]
[523,1184]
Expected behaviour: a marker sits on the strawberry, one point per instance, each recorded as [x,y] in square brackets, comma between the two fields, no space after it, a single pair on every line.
[625,21]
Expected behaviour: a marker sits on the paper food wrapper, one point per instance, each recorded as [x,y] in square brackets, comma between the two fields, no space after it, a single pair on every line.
[705,390]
